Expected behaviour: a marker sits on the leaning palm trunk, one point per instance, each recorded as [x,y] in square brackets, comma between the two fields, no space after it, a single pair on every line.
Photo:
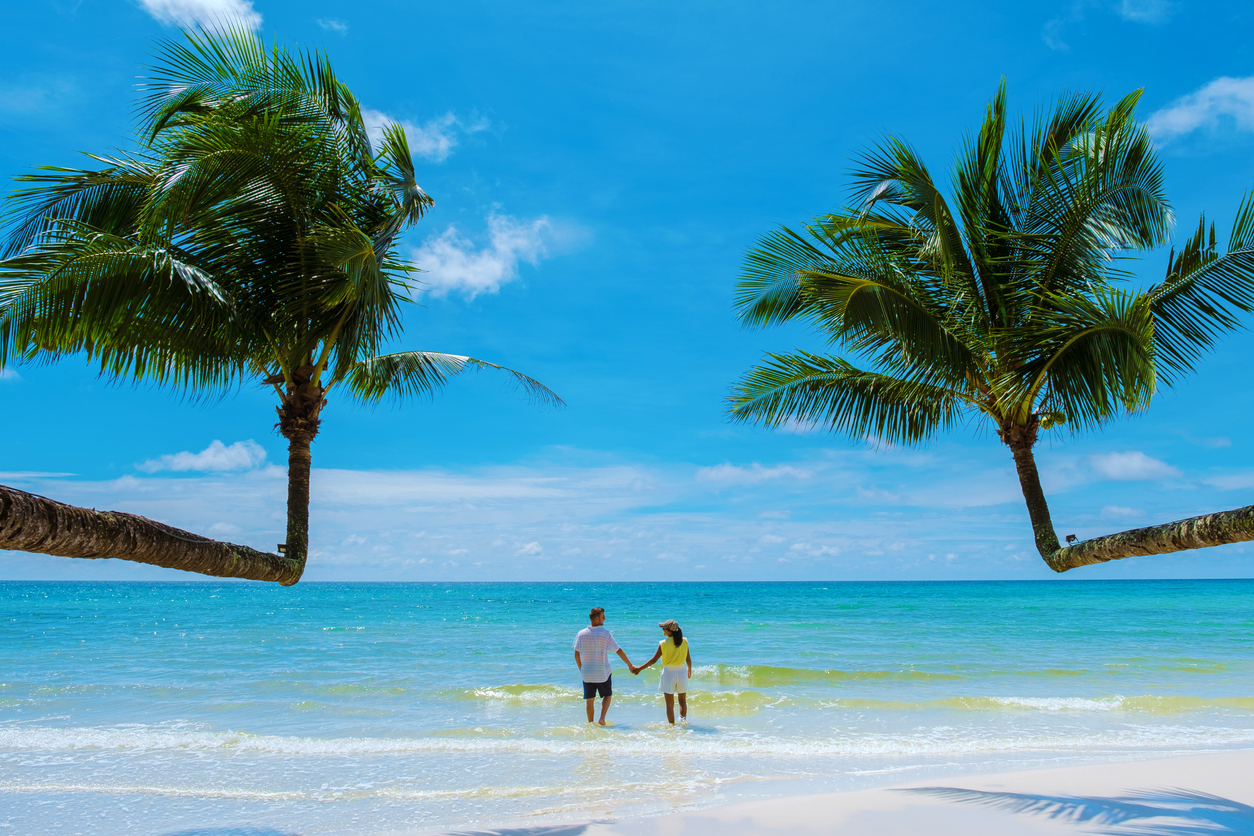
[1020,440]
[1217,529]
[33,523]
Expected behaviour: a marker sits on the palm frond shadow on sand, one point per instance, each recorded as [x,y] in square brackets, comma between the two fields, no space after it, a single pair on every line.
[1164,812]
[551,830]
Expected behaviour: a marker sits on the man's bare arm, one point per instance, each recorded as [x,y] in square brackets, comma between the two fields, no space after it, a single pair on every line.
[578,663]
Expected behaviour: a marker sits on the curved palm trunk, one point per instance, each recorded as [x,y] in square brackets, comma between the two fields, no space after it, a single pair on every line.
[1020,440]
[1193,533]
[33,523]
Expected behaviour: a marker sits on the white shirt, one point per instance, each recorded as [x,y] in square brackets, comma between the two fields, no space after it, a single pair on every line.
[595,644]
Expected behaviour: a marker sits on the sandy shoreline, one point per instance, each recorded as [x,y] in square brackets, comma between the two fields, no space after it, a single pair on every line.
[1179,796]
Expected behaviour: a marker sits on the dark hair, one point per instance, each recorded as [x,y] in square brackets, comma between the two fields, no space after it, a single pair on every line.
[595,612]
[678,636]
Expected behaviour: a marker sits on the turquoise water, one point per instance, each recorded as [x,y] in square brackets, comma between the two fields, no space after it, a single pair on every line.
[359,708]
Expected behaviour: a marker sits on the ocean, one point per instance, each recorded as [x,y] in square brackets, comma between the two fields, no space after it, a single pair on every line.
[214,709]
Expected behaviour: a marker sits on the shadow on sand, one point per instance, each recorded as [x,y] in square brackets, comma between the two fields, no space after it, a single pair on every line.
[1176,812]
[552,830]
[232,831]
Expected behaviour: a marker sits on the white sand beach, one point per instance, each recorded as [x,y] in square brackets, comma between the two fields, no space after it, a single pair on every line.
[1196,794]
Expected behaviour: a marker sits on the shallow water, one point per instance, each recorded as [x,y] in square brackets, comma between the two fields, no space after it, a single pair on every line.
[359,708]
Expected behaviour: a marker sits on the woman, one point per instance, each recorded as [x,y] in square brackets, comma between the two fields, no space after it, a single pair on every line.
[676,668]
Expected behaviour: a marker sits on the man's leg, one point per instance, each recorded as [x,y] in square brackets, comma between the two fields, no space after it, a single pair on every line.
[605,706]
[683,706]
[670,708]
[590,709]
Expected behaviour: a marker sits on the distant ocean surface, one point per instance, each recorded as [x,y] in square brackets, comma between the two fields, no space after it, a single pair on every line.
[206,708]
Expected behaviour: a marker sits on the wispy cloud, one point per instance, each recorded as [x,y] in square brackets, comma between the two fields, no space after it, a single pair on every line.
[1146,11]
[1054,29]
[1231,481]
[208,14]
[242,455]
[9,376]
[332,24]
[1152,12]
[35,93]
[451,262]
[1120,512]
[433,140]
[730,474]
[1224,98]
[1131,466]
[795,426]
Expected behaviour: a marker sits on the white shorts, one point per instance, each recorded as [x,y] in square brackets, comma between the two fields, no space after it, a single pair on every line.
[674,681]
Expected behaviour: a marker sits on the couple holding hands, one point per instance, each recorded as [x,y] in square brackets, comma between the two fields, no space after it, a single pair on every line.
[593,646]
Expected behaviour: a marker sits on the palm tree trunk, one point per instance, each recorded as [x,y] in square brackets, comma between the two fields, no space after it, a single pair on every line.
[299,465]
[32,523]
[1194,533]
[1020,440]
[299,423]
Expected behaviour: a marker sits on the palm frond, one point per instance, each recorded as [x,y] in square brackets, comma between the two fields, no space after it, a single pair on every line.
[832,393]
[408,374]
[1203,293]
[1089,358]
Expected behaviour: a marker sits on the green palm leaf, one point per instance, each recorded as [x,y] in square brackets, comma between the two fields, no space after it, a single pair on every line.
[416,373]
[832,393]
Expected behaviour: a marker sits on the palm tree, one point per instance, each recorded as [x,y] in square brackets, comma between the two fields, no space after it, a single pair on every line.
[252,236]
[1000,302]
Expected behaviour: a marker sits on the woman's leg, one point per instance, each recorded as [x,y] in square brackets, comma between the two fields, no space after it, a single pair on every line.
[670,708]
[683,706]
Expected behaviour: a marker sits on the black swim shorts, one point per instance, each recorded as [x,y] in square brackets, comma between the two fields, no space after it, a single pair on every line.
[591,690]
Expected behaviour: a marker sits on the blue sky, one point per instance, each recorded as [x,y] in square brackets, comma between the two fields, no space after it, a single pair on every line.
[599,171]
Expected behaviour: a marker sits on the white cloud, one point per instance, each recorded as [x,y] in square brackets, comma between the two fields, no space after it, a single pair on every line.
[9,376]
[1146,11]
[28,93]
[450,262]
[529,549]
[815,550]
[1223,98]
[242,455]
[1232,481]
[1132,11]
[1119,512]
[730,474]
[208,14]
[1130,466]
[793,426]
[333,25]
[432,141]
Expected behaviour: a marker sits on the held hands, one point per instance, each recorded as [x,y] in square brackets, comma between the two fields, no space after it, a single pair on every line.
[635,671]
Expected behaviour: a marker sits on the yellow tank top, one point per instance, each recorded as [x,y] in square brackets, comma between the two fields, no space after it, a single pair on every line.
[672,656]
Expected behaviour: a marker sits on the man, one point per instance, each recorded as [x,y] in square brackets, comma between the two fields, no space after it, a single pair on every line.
[593,646]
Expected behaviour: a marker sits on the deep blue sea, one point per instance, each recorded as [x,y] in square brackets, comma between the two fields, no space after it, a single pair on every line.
[216,708]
